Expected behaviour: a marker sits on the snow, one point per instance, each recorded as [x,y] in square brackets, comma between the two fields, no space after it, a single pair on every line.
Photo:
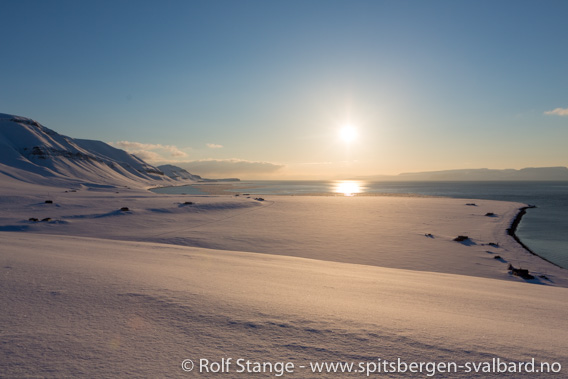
[96,291]
[101,292]
[93,307]
[378,231]
[176,172]
[31,152]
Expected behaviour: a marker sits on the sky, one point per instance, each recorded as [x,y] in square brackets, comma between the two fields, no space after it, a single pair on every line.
[262,89]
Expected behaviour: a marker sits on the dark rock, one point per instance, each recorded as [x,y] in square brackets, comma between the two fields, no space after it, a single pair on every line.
[472,204]
[47,219]
[461,238]
[33,219]
[124,209]
[490,214]
[520,272]
[49,201]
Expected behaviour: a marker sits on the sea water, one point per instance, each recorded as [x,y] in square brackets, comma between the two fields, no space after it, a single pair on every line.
[543,229]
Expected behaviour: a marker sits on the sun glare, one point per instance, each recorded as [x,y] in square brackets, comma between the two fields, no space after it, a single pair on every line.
[348,187]
[348,133]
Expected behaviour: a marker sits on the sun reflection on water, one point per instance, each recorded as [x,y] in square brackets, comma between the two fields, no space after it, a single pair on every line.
[348,187]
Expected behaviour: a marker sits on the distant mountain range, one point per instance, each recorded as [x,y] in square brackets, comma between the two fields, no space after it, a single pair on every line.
[482,174]
[32,153]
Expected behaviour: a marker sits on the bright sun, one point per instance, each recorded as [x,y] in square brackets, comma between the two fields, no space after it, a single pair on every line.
[348,133]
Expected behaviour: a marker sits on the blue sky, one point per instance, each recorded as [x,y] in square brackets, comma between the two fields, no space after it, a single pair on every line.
[259,89]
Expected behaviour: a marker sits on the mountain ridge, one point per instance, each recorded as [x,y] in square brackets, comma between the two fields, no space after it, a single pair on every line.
[556,173]
[176,172]
[33,153]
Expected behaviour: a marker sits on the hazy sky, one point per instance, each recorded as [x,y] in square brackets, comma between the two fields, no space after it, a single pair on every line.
[261,88]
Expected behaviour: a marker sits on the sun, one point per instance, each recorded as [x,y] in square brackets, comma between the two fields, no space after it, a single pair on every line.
[348,187]
[348,133]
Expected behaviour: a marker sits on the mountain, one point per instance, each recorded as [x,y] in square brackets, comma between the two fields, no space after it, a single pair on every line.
[176,172]
[482,174]
[179,173]
[32,153]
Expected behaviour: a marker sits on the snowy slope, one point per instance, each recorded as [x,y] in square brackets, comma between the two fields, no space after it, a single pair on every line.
[32,153]
[176,172]
[87,307]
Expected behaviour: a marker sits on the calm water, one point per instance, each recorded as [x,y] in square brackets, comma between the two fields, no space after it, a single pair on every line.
[544,229]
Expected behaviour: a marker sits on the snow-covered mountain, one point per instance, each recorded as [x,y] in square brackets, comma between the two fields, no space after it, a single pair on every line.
[179,173]
[176,172]
[32,153]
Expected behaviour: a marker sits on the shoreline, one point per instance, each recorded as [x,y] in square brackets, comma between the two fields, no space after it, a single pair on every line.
[223,189]
[512,232]
[383,231]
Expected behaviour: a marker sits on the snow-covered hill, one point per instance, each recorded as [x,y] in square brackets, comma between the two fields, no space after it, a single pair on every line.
[32,153]
[176,172]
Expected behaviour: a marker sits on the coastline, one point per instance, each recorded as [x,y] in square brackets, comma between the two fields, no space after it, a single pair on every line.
[231,189]
[383,230]
[228,189]
[501,191]
[512,232]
